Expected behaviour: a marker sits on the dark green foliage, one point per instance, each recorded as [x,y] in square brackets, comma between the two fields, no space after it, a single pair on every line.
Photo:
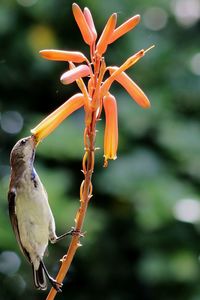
[136,246]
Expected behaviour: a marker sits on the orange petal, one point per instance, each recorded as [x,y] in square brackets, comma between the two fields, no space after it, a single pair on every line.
[89,20]
[51,122]
[111,128]
[132,88]
[73,56]
[74,74]
[127,64]
[106,34]
[124,28]
[82,24]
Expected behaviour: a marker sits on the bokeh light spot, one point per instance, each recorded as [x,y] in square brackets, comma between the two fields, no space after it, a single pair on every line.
[9,262]
[195,64]
[155,18]
[187,210]
[40,37]
[187,13]
[27,3]
[11,122]
[7,19]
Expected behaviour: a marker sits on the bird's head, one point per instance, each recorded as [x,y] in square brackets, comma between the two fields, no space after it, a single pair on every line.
[24,151]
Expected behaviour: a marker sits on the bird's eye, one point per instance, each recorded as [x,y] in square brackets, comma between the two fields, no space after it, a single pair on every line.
[23,142]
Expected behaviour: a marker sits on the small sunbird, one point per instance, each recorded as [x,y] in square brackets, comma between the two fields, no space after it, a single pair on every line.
[30,214]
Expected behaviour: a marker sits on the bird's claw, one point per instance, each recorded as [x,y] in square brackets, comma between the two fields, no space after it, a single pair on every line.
[75,232]
[56,285]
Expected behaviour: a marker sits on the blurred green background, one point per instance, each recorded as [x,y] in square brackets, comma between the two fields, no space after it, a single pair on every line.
[143,222]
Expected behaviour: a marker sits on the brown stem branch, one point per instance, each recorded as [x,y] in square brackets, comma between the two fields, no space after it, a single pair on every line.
[85,195]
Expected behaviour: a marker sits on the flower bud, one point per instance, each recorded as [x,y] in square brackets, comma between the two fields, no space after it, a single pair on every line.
[105,36]
[124,28]
[74,74]
[82,24]
[74,56]
[89,20]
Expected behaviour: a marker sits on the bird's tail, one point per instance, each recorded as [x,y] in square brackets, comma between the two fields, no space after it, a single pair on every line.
[39,278]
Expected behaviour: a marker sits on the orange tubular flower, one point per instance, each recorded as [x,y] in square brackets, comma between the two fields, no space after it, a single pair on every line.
[124,28]
[49,124]
[105,36]
[111,129]
[127,64]
[74,56]
[94,97]
[95,93]
[89,20]
[132,88]
[82,24]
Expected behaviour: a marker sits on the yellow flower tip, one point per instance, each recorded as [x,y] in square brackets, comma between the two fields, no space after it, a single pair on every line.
[82,24]
[51,122]
[105,165]
[34,138]
[111,128]
[105,36]
[131,87]
[89,20]
[124,28]
[61,55]
[74,74]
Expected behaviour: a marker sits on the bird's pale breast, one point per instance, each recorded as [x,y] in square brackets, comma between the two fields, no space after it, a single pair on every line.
[33,214]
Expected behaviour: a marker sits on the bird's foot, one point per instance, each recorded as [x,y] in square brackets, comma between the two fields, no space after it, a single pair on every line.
[56,285]
[75,232]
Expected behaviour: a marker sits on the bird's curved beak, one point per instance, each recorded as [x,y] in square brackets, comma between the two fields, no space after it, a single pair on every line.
[34,141]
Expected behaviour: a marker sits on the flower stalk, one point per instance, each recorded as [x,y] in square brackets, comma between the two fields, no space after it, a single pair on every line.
[85,196]
[95,98]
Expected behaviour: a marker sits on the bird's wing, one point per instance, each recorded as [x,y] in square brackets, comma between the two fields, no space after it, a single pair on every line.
[14,222]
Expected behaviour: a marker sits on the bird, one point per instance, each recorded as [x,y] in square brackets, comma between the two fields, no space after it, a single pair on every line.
[30,214]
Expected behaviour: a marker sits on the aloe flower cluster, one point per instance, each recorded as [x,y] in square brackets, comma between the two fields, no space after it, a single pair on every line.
[94,80]
[95,95]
